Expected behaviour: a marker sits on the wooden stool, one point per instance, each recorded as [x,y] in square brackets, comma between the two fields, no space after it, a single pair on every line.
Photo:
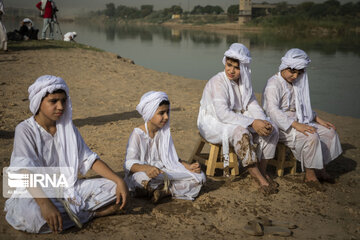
[212,160]
[280,161]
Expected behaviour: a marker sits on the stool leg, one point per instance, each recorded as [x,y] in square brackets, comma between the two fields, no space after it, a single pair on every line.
[293,160]
[234,160]
[214,153]
[281,160]
[199,145]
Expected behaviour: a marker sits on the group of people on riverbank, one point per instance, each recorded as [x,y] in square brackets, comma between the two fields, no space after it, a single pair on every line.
[229,114]
[27,31]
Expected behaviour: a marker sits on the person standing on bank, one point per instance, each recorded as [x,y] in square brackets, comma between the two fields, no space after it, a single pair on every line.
[47,10]
[3,36]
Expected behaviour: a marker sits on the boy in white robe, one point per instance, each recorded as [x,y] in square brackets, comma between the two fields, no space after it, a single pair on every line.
[151,156]
[230,113]
[286,99]
[49,139]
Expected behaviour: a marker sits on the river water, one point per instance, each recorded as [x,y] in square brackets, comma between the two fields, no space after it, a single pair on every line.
[333,73]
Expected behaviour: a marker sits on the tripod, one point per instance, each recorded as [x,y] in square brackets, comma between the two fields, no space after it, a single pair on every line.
[58,29]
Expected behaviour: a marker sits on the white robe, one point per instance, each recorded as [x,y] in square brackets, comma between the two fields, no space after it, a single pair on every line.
[3,36]
[24,213]
[141,149]
[223,118]
[313,151]
[69,36]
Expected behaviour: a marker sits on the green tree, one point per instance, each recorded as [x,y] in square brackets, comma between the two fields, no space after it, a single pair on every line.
[233,12]
[110,10]
[146,10]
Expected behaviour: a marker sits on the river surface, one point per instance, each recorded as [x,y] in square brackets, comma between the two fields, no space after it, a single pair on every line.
[334,72]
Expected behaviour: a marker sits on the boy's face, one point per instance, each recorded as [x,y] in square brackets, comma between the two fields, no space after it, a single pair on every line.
[232,69]
[52,106]
[160,117]
[290,75]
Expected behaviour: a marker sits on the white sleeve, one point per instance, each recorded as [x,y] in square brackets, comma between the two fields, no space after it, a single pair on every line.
[221,104]
[86,156]
[133,151]
[272,99]
[255,110]
[24,150]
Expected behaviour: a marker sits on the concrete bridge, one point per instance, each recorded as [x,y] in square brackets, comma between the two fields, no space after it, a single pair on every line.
[245,9]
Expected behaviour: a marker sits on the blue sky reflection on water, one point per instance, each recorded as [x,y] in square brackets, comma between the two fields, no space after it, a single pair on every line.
[333,73]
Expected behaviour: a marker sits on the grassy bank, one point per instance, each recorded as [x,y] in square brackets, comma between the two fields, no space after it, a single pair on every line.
[48,44]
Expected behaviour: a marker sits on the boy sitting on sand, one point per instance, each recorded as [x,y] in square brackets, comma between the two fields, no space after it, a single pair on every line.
[50,139]
[229,113]
[151,157]
[286,99]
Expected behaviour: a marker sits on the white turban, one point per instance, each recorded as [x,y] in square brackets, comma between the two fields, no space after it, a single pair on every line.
[240,52]
[68,152]
[147,107]
[294,58]
[297,59]
[149,103]
[27,20]
[43,85]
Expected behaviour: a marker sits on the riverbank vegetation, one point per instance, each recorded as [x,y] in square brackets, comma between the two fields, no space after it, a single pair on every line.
[329,17]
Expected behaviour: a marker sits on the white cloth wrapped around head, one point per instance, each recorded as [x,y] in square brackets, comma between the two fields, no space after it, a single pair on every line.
[240,52]
[27,20]
[297,59]
[43,85]
[294,58]
[149,103]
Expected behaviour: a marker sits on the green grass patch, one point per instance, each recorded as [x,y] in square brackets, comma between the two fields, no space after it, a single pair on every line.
[48,44]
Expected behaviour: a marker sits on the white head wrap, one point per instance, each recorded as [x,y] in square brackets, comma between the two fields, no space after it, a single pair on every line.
[297,59]
[240,52]
[68,154]
[147,107]
[27,20]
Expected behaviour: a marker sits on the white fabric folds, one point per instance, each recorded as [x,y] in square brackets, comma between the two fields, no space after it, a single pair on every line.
[297,59]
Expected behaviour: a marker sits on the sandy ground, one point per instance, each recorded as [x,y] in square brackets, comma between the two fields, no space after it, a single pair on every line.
[105,91]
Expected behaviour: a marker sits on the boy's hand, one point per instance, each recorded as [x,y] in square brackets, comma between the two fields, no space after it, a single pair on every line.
[152,171]
[52,215]
[325,123]
[303,128]
[121,193]
[262,127]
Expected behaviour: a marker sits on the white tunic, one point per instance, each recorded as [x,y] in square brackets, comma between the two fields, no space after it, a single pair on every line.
[141,149]
[222,115]
[24,213]
[314,150]
[69,36]
[3,36]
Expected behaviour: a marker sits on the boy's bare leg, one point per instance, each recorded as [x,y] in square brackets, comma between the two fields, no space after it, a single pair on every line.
[107,210]
[255,173]
[310,175]
[262,167]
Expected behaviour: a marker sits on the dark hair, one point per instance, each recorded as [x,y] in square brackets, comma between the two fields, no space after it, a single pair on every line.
[56,91]
[233,60]
[164,102]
